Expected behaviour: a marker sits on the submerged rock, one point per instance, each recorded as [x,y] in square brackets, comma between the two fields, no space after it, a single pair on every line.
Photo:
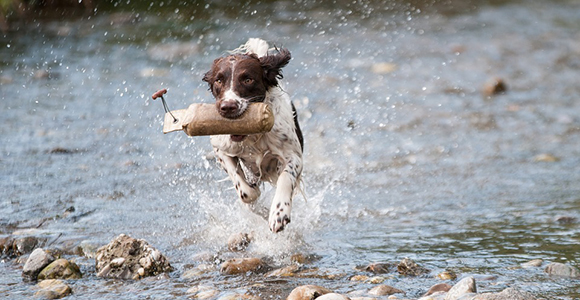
[533,263]
[440,287]
[384,290]
[494,86]
[408,267]
[283,272]
[60,269]
[52,289]
[380,267]
[37,261]
[507,294]
[307,292]
[236,266]
[128,258]
[560,269]
[239,297]
[333,296]
[447,275]
[463,287]
[239,241]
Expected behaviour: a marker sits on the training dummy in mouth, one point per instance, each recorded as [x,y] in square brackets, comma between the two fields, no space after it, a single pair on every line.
[204,119]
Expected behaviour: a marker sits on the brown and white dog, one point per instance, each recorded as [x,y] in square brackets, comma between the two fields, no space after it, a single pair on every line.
[252,74]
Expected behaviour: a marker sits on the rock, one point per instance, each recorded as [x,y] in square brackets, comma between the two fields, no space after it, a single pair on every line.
[37,260]
[124,257]
[440,287]
[359,278]
[6,246]
[25,245]
[546,157]
[239,297]
[197,271]
[566,220]
[302,259]
[333,296]
[236,266]
[380,267]
[307,292]
[464,286]
[376,280]
[239,241]
[533,263]
[52,289]
[87,249]
[507,294]
[283,272]
[383,290]
[60,269]
[383,68]
[560,269]
[447,275]
[408,267]
[495,86]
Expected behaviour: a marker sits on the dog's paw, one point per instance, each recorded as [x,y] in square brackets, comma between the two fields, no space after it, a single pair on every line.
[278,221]
[279,215]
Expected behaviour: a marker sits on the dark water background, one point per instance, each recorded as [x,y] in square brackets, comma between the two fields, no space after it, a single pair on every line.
[404,155]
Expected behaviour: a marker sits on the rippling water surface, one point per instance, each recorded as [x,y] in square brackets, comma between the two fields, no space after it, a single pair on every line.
[404,155]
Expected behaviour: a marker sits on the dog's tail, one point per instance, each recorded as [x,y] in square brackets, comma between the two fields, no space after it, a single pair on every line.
[253,45]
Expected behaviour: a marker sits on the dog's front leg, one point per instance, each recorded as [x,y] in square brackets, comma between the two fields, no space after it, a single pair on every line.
[285,186]
[248,193]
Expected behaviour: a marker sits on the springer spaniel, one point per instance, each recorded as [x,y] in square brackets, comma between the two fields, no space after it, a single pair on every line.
[252,74]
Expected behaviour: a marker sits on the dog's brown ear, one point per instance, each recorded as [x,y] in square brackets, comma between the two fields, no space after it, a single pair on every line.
[209,75]
[273,64]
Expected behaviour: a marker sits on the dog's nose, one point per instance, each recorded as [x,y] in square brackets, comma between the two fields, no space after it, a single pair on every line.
[228,107]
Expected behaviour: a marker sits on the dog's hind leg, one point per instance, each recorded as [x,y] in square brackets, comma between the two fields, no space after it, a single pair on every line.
[247,192]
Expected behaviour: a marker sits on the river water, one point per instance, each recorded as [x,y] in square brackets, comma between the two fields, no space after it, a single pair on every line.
[404,155]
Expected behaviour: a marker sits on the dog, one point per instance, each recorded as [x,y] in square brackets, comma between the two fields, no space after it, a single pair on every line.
[253,73]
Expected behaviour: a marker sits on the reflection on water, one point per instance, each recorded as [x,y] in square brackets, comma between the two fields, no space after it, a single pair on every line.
[404,156]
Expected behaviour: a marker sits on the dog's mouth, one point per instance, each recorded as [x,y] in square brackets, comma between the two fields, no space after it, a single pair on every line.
[237,138]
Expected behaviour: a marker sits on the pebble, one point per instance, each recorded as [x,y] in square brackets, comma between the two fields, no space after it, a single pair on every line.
[447,275]
[408,267]
[560,269]
[307,292]
[383,290]
[239,297]
[60,269]
[376,280]
[283,272]
[533,263]
[333,296]
[37,260]
[546,157]
[464,286]
[359,278]
[236,266]
[494,86]
[380,267]
[239,241]
[52,289]
[507,294]
[440,287]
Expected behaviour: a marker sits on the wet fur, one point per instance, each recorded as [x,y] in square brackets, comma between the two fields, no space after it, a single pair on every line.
[275,156]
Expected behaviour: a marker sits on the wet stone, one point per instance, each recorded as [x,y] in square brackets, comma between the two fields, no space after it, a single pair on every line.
[239,297]
[534,263]
[128,258]
[494,86]
[37,261]
[239,241]
[60,269]
[408,267]
[236,266]
[307,292]
[380,267]
[333,296]
[283,272]
[447,275]
[384,290]
[6,246]
[560,269]
[507,294]
[440,287]
[198,271]
[52,289]
[464,286]
[25,245]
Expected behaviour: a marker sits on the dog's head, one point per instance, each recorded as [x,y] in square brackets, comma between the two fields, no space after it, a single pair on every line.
[238,79]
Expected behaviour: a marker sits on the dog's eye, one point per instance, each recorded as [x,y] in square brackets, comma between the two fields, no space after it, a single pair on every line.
[218,81]
[248,81]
